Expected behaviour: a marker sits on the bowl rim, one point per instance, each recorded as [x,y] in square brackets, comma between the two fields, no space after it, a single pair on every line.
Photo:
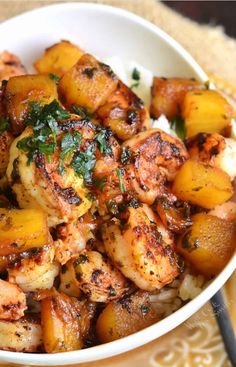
[179,316]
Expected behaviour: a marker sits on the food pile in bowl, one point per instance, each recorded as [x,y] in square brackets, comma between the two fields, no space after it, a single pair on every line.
[110,219]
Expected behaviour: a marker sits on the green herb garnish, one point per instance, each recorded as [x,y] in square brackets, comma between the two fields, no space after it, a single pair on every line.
[119,172]
[134,85]
[102,140]
[44,121]
[83,163]
[82,112]
[70,142]
[100,182]
[4,124]
[54,77]
[178,125]
[136,74]
[125,157]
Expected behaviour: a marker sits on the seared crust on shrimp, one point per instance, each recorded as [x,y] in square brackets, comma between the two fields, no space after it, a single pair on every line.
[156,158]
[39,184]
[215,150]
[23,335]
[10,65]
[205,147]
[12,301]
[6,139]
[35,270]
[142,249]
[124,113]
[97,277]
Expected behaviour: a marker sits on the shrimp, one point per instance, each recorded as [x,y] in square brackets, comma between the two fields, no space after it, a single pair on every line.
[6,138]
[142,249]
[97,277]
[70,242]
[10,65]
[34,270]
[12,301]
[39,184]
[225,211]
[124,113]
[155,159]
[23,335]
[215,150]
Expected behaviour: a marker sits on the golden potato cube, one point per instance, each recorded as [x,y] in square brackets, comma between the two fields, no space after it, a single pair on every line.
[125,317]
[88,84]
[21,90]
[58,58]
[208,244]
[205,111]
[202,185]
[22,229]
[168,94]
[65,322]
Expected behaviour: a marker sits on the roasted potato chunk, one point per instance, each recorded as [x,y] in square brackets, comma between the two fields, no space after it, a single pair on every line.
[58,58]
[22,229]
[124,113]
[21,90]
[10,65]
[208,244]
[97,277]
[205,111]
[23,335]
[6,139]
[88,84]
[168,95]
[126,316]
[65,322]
[202,185]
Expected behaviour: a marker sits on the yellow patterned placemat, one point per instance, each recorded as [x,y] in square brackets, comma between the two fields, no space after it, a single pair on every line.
[197,342]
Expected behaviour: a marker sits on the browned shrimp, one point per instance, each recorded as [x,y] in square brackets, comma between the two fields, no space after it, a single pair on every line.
[10,65]
[215,150]
[124,113]
[142,249]
[12,301]
[155,159]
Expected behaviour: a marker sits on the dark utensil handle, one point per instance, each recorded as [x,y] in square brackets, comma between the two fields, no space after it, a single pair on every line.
[225,325]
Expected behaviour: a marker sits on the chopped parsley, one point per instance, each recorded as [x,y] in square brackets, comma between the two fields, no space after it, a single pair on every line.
[100,182]
[136,74]
[82,112]
[4,124]
[178,125]
[102,140]
[44,121]
[70,143]
[54,77]
[125,157]
[119,172]
[83,163]
[134,85]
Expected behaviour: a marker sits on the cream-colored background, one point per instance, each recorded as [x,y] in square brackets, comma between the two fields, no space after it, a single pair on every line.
[197,342]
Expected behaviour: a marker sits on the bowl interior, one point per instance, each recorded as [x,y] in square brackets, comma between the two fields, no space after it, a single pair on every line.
[104,31]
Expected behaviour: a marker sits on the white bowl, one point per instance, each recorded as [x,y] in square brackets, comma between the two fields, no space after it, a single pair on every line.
[105,31]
